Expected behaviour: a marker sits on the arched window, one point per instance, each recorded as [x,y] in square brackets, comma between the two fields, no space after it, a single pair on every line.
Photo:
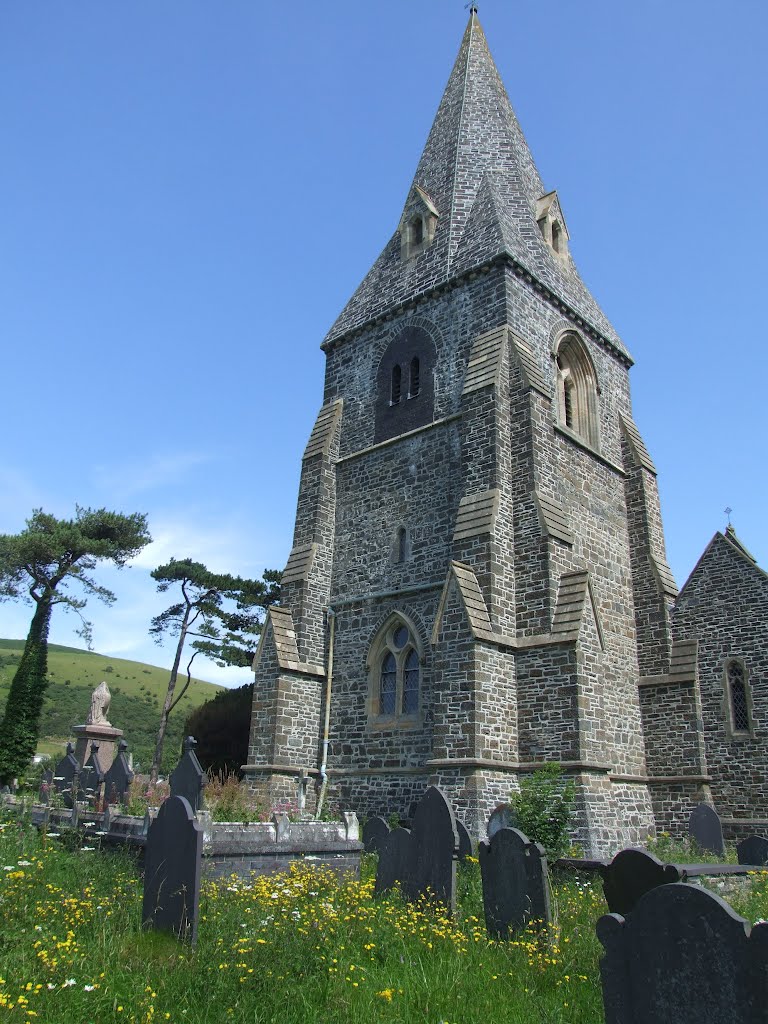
[417,232]
[577,389]
[397,377]
[406,370]
[395,662]
[414,384]
[557,236]
[737,689]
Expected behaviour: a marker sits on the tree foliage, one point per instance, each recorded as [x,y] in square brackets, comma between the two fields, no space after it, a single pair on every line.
[223,615]
[221,727]
[41,565]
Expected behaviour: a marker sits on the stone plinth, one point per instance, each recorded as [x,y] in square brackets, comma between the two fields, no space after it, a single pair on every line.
[107,738]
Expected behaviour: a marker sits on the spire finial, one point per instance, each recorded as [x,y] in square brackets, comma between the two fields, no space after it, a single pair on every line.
[728,511]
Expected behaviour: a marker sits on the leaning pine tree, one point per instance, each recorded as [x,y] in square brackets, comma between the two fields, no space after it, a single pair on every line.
[39,565]
[220,614]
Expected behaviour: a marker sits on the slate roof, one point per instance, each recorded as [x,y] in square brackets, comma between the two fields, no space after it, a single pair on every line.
[478,172]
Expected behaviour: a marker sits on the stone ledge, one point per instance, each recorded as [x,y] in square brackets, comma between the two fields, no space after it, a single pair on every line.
[581,443]
[399,437]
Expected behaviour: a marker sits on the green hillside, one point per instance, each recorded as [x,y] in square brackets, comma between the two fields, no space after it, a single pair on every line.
[137,695]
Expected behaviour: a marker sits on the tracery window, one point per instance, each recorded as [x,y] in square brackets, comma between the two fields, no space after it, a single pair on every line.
[577,389]
[396,663]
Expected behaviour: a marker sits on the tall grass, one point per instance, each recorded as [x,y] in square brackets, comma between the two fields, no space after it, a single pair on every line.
[292,948]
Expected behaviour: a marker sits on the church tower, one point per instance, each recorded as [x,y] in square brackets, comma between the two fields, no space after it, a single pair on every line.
[478,582]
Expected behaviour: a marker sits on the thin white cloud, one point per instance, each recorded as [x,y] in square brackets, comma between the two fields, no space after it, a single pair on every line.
[147,473]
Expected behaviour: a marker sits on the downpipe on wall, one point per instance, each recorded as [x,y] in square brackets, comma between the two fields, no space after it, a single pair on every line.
[327,718]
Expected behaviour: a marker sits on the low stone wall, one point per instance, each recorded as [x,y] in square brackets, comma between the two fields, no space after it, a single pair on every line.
[231,847]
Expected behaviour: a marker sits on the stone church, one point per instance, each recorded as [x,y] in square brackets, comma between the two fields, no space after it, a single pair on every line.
[478,581]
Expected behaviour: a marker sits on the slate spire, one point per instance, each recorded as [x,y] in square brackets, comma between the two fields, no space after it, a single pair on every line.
[478,172]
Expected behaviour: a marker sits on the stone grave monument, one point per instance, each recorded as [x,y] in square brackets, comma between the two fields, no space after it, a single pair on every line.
[515,883]
[172,867]
[705,829]
[422,861]
[502,817]
[119,777]
[683,957]
[66,776]
[753,851]
[630,875]
[465,841]
[91,778]
[188,778]
[375,832]
[97,729]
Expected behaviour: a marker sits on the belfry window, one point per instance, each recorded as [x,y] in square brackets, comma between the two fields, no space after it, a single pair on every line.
[396,663]
[397,379]
[414,384]
[737,692]
[577,389]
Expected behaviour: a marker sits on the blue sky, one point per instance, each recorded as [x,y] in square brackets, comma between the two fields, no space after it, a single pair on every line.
[192,191]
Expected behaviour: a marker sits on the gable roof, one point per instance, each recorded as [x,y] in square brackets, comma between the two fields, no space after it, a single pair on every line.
[732,544]
[478,172]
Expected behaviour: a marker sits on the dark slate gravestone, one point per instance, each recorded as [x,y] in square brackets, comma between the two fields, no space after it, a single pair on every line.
[46,784]
[683,957]
[705,828]
[502,817]
[119,777]
[91,778]
[515,887]
[433,841]
[632,873]
[422,861]
[753,850]
[188,778]
[465,841]
[394,865]
[375,831]
[172,865]
[65,776]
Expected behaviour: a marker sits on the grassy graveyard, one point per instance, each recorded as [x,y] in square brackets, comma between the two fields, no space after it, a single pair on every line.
[293,948]
[137,695]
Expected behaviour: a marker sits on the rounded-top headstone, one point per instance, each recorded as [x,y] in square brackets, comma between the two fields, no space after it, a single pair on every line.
[502,817]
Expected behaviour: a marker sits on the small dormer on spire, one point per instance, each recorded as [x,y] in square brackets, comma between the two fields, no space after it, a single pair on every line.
[417,224]
[549,217]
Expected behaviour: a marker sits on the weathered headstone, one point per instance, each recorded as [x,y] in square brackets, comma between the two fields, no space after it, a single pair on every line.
[188,778]
[705,828]
[91,778]
[46,785]
[502,817]
[119,777]
[630,875]
[465,841]
[422,862]
[753,850]
[683,957]
[433,841]
[375,832]
[172,866]
[65,776]
[394,860]
[515,887]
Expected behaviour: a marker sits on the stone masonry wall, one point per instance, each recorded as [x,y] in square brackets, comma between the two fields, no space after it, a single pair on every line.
[724,605]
